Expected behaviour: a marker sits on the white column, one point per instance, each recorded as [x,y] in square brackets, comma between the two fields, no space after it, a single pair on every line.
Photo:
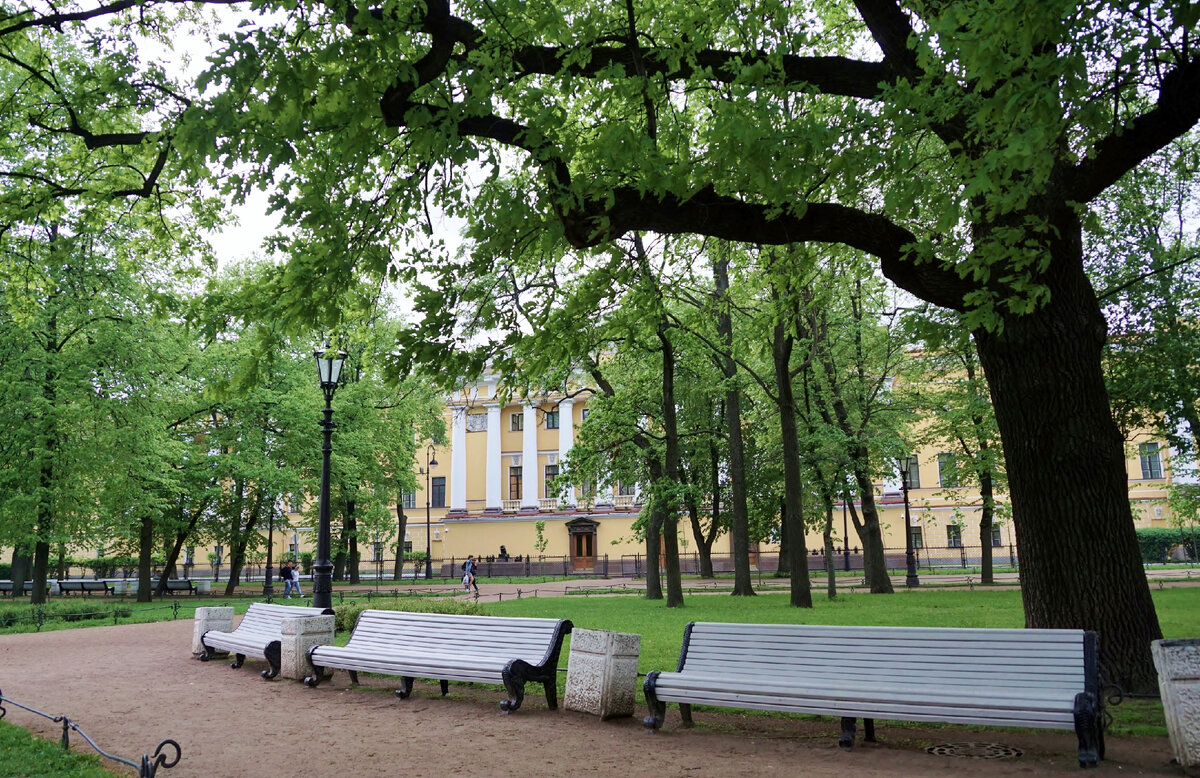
[458,460]
[566,439]
[529,459]
[494,497]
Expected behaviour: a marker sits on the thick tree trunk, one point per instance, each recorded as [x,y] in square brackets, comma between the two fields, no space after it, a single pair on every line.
[1080,564]
[830,565]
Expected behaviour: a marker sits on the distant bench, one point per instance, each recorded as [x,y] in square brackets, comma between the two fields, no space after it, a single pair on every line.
[180,585]
[1038,678]
[85,587]
[6,587]
[258,634]
[483,649]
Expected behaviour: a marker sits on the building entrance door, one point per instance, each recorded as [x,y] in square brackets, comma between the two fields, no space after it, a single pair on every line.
[583,545]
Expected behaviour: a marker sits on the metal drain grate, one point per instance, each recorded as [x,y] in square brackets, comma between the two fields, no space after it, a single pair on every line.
[975,750]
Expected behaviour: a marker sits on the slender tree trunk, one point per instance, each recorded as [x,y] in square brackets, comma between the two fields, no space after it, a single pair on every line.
[783,566]
[351,531]
[743,586]
[145,559]
[654,523]
[986,516]
[830,562]
[874,563]
[793,485]
[1080,562]
[401,527]
[670,519]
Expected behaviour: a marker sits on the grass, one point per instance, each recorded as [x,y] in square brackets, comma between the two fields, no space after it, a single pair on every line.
[662,628]
[26,755]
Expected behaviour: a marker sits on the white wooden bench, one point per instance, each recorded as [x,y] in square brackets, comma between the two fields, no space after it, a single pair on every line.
[482,649]
[1037,678]
[259,634]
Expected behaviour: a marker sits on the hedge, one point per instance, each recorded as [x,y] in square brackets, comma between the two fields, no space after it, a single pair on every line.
[1156,544]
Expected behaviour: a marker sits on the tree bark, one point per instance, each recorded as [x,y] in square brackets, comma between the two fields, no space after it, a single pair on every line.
[800,590]
[653,536]
[743,586]
[670,512]
[1079,561]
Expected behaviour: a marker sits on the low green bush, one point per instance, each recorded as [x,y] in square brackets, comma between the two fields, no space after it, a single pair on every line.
[64,610]
[346,616]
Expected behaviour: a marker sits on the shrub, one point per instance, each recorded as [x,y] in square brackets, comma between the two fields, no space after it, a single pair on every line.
[346,615]
[1157,543]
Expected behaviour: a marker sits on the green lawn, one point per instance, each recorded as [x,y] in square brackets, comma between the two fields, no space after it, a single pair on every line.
[26,755]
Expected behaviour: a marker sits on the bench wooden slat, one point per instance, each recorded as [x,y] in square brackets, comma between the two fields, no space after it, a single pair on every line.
[257,634]
[1033,678]
[445,647]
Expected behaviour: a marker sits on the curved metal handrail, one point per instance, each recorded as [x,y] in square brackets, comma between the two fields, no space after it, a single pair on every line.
[146,769]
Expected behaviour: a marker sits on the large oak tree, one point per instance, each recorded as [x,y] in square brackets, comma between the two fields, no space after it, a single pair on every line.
[958,144]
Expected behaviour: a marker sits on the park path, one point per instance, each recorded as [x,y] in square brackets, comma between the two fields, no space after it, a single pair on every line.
[131,686]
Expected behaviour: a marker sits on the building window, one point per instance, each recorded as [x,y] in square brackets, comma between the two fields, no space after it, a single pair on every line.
[514,483]
[408,499]
[626,489]
[947,470]
[1151,460]
[583,414]
[378,549]
[189,555]
[552,419]
[954,536]
[551,474]
[294,503]
[516,421]
[917,540]
[914,473]
[438,494]
[996,536]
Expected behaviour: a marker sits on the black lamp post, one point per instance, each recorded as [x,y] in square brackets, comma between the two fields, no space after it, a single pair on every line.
[430,463]
[329,370]
[910,558]
[268,584]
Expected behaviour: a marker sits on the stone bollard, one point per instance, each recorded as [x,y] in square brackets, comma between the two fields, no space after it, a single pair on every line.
[218,618]
[299,635]
[602,672]
[1178,665]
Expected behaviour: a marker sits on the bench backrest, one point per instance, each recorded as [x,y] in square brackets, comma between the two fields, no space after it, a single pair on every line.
[942,657]
[268,619]
[534,640]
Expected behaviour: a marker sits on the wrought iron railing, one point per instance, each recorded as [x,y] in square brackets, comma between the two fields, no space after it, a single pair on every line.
[146,768]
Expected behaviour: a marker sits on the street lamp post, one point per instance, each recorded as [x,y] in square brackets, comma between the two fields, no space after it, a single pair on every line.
[329,370]
[430,463]
[910,559]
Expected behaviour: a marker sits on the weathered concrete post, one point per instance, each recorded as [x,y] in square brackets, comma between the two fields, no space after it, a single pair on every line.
[219,618]
[299,635]
[602,672]
[1178,665]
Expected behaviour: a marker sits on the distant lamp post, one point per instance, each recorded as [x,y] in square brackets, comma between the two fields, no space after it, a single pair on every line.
[910,558]
[430,463]
[329,370]
[268,584]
